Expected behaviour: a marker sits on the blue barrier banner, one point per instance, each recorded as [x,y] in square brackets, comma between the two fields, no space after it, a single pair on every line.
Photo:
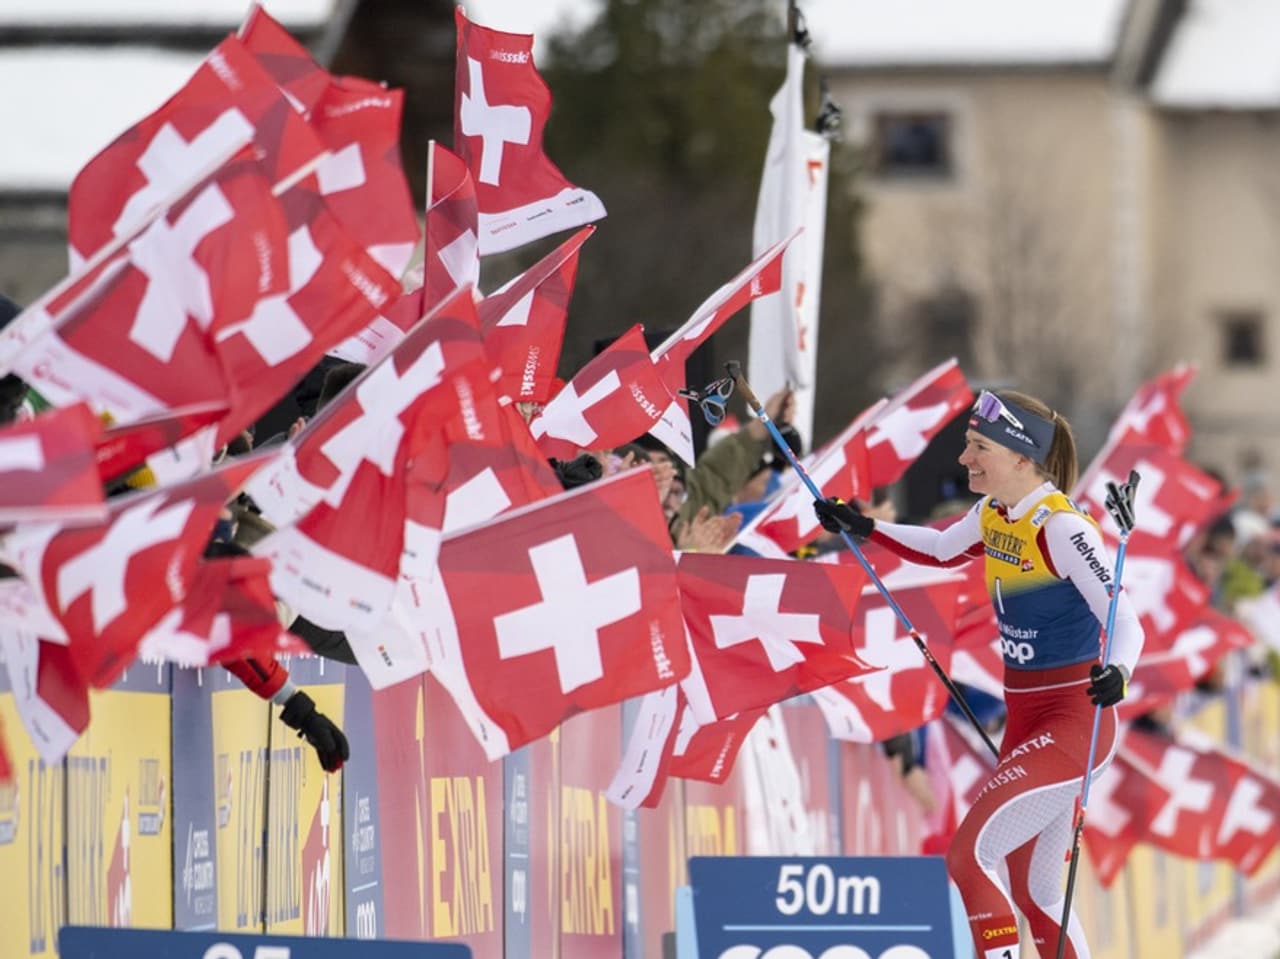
[90,942]
[804,906]
[195,822]
[362,824]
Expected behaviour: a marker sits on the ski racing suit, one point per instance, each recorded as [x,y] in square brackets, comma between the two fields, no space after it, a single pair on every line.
[1049,577]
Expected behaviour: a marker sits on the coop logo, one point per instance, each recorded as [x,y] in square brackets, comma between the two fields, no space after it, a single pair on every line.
[835,952]
[1019,652]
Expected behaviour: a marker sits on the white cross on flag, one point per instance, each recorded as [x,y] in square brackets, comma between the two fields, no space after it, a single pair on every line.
[915,415]
[350,495]
[51,698]
[905,693]
[524,322]
[564,606]
[138,340]
[616,397]
[1174,499]
[107,584]
[229,101]
[764,630]
[452,255]
[48,469]
[502,106]
[1121,802]
[839,468]
[1154,417]
[1173,663]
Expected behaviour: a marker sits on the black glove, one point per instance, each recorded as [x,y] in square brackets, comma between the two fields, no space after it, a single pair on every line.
[319,730]
[837,516]
[1109,685]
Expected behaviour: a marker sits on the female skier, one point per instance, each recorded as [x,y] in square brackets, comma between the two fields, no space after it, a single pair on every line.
[1050,579]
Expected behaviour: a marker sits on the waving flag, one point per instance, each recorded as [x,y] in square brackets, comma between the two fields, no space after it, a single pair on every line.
[140,340]
[229,102]
[345,489]
[124,448]
[905,693]
[302,79]
[107,584]
[616,397]
[502,108]
[1173,664]
[838,469]
[765,630]
[452,255]
[904,426]
[51,697]
[48,470]
[567,605]
[760,278]
[524,322]
[1122,802]
[229,613]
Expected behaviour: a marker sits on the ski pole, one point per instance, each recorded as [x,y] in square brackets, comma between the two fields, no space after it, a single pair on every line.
[1119,504]
[734,369]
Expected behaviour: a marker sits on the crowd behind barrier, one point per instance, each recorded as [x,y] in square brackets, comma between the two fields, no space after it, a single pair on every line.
[187,805]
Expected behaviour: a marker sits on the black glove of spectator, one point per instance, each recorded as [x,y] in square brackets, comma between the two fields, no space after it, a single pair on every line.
[1109,685]
[319,730]
[836,516]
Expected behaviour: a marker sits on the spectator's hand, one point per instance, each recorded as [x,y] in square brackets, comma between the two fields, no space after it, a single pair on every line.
[1109,685]
[296,426]
[664,474]
[319,730]
[837,516]
[706,533]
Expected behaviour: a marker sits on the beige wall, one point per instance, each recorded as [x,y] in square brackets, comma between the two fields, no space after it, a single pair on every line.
[1100,236]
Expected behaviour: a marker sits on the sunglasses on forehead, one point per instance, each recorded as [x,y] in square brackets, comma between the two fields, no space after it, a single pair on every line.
[711,399]
[990,408]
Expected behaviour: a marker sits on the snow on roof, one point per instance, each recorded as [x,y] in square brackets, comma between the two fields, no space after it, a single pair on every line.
[1224,54]
[64,104]
[170,13]
[871,33]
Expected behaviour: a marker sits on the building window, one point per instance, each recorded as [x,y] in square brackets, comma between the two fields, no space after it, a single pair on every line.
[913,145]
[1242,338]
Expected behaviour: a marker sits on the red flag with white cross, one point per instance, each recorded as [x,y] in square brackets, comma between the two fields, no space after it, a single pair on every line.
[565,606]
[616,397]
[524,322]
[288,61]
[452,255]
[230,102]
[1121,801]
[912,417]
[905,693]
[109,583]
[48,469]
[1173,663]
[502,106]
[764,630]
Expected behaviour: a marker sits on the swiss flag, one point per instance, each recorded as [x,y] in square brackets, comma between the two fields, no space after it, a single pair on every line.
[229,102]
[452,256]
[302,79]
[906,693]
[1154,416]
[502,106]
[969,766]
[764,630]
[616,397]
[139,340]
[840,468]
[1167,596]
[51,697]
[915,415]
[369,419]
[1174,499]
[759,278]
[335,290]
[567,605]
[352,493]
[524,322]
[48,469]
[388,328]
[1121,802]
[229,613]
[1174,663]
[361,179]
[108,584]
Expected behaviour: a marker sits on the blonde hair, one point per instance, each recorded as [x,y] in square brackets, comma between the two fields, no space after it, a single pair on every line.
[1060,465]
